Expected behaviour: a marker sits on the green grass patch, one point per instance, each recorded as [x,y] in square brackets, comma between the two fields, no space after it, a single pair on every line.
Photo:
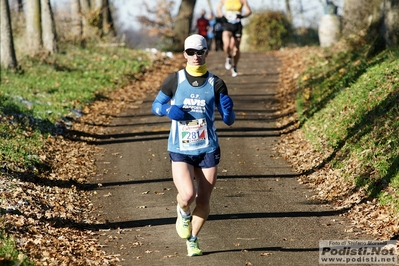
[47,88]
[43,91]
[20,143]
[349,107]
[9,255]
[53,85]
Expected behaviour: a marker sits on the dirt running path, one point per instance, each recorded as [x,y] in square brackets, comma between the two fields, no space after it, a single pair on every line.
[260,215]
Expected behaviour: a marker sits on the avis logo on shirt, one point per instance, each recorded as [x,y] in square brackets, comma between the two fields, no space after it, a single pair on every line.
[194,102]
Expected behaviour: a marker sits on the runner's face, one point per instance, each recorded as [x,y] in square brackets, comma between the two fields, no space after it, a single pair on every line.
[194,57]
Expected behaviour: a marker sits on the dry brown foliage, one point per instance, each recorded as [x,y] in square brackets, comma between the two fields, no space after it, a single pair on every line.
[49,214]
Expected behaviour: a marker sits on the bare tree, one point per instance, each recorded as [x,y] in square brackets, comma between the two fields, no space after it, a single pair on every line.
[19,7]
[16,5]
[8,58]
[104,19]
[97,4]
[107,21]
[171,30]
[49,35]
[33,26]
[160,22]
[86,12]
[183,23]
[288,8]
[76,19]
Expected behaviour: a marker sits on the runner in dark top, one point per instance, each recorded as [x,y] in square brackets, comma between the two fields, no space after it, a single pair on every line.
[203,25]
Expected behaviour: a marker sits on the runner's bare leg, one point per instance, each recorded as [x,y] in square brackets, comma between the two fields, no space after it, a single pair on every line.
[236,51]
[206,180]
[183,178]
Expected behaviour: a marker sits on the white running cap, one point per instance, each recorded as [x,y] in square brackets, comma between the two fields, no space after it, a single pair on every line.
[196,42]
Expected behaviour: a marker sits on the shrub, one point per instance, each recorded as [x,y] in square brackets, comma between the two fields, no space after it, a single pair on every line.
[268,30]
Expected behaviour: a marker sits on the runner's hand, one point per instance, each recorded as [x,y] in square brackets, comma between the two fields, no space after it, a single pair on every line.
[174,112]
[239,16]
[227,103]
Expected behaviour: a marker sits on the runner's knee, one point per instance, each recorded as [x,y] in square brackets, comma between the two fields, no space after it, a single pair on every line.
[203,203]
[187,197]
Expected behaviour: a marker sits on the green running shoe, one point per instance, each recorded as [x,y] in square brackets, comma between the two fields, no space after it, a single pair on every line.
[183,224]
[193,248]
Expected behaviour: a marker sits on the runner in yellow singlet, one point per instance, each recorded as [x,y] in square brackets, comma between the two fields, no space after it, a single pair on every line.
[232,30]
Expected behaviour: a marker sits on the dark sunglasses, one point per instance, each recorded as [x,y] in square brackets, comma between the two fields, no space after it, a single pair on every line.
[192,52]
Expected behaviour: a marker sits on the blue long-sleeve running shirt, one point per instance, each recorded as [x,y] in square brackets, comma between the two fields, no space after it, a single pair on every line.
[199,98]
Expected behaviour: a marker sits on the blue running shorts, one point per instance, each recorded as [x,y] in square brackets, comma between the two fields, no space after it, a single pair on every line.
[204,160]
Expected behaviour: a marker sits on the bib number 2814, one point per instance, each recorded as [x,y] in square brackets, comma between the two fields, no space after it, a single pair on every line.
[193,134]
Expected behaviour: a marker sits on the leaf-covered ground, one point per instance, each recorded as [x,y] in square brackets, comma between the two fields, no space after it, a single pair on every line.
[49,213]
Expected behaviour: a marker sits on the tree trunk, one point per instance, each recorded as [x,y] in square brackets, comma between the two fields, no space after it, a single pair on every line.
[33,26]
[390,30]
[8,58]
[359,16]
[97,4]
[288,8]
[374,21]
[107,24]
[98,7]
[183,23]
[20,6]
[76,20]
[85,11]
[48,28]
[20,14]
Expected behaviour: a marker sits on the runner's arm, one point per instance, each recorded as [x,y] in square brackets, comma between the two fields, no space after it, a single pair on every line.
[220,8]
[226,109]
[160,106]
[222,101]
[248,10]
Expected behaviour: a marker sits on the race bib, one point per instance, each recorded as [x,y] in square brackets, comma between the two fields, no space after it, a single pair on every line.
[193,134]
[231,17]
